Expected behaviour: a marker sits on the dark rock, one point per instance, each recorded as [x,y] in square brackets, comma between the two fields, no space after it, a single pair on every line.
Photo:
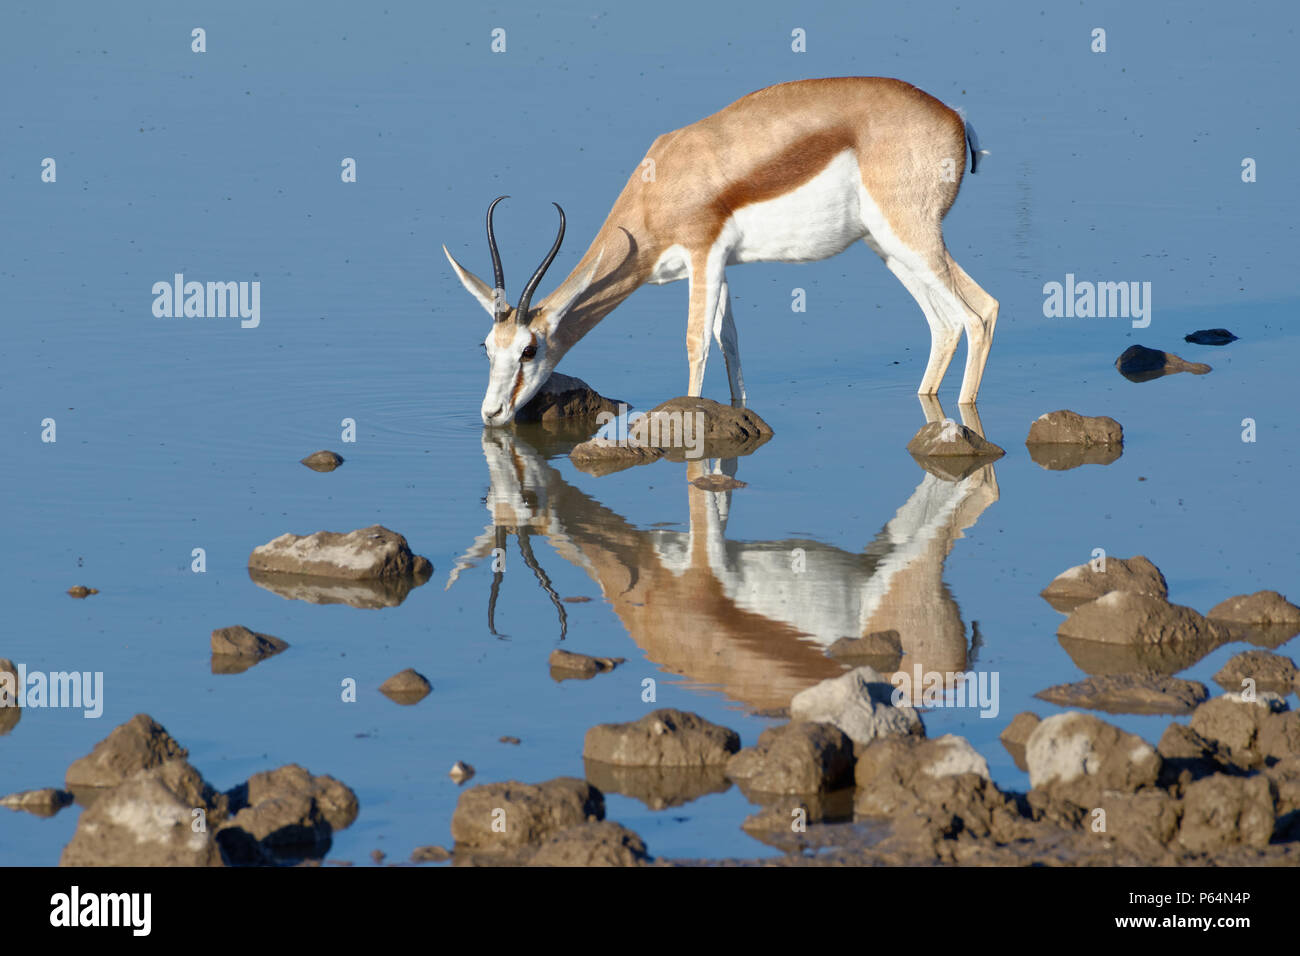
[1129,694]
[406,687]
[460,771]
[236,649]
[662,738]
[430,854]
[1220,811]
[1141,364]
[796,758]
[717,483]
[139,744]
[368,553]
[81,591]
[323,461]
[591,844]
[1210,337]
[1234,724]
[285,816]
[1082,583]
[565,398]
[568,666]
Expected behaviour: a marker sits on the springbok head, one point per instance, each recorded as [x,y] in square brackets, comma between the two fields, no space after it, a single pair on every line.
[522,348]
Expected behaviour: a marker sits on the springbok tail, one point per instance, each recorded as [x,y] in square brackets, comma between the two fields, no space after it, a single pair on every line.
[973,142]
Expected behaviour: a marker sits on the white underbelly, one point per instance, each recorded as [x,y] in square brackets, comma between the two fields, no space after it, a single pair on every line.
[821,218]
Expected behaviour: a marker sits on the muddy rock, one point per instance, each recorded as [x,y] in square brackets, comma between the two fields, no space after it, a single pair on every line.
[592,844]
[1129,694]
[1077,756]
[657,787]
[1210,337]
[1065,427]
[1188,756]
[499,816]
[1279,737]
[882,650]
[1264,618]
[662,738]
[1271,672]
[147,820]
[950,439]
[322,461]
[406,687]
[568,666]
[236,649]
[717,483]
[565,398]
[860,703]
[1221,811]
[604,456]
[430,854]
[795,758]
[368,553]
[728,432]
[1141,364]
[1127,617]
[1016,736]
[284,816]
[42,803]
[1234,724]
[139,744]
[10,712]
[1082,584]
[1145,821]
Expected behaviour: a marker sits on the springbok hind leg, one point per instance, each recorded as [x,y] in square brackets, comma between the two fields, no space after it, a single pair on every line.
[981,317]
[945,331]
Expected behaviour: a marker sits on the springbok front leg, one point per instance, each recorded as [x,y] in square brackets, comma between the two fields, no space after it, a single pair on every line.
[706,284]
[724,333]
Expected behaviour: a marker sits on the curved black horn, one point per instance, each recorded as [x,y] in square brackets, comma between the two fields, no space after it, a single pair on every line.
[521,313]
[498,274]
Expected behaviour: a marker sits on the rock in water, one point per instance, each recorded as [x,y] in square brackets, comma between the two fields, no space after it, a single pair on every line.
[323,461]
[367,553]
[1141,364]
[797,758]
[406,687]
[1065,427]
[1129,694]
[860,703]
[236,649]
[566,665]
[662,738]
[1210,337]
[565,398]
[1086,582]
[139,744]
[1129,617]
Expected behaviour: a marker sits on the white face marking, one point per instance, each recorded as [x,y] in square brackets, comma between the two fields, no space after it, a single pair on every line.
[517,370]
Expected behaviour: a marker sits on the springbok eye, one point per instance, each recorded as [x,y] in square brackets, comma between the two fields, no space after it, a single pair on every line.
[529,352]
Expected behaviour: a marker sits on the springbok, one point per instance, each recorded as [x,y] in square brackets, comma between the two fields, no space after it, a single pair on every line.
[792,173]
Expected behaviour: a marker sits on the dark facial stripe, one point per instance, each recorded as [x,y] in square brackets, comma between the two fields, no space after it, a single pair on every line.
[519,383]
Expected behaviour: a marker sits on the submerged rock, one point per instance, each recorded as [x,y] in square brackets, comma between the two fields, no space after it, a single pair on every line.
[377,593]
[139,744]
[499,816]
[657,787]
[1269,672]
[796,758]
[565,398]
[950,439]
[81,591]
[1141,364]
[602,456]
[603,843]
[406,687]
[1129,694]
[717,483]
[882,650]
[566,665]
[1096,657]
[373,552]
[1210,337]
[1130,617]
[662,738]
[1083,583]
[860,703]
[42,803]
[236,649]
[322,461]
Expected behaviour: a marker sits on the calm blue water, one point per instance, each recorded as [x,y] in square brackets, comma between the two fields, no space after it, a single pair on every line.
[175,434]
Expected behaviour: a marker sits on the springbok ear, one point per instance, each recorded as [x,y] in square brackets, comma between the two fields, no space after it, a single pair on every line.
[473,284]
[571,291]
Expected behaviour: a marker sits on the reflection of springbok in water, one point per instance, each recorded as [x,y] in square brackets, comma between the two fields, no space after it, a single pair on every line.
[738,614]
